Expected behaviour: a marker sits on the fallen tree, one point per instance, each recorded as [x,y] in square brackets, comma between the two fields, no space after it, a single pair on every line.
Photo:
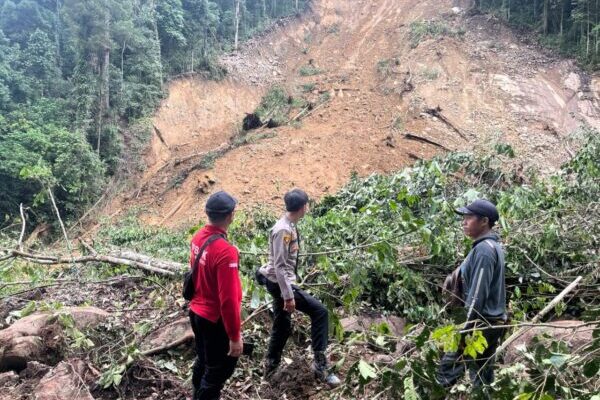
[125,257]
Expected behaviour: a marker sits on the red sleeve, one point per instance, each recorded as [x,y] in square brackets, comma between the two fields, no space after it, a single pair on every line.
[230,292]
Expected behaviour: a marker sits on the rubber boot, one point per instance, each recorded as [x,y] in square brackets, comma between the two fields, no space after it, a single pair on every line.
[321,370]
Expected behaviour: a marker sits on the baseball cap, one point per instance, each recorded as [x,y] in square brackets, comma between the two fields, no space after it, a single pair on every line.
[220,203]
[481,207]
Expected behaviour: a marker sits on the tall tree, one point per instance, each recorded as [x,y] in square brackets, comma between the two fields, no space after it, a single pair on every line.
[237,23]
[40,64]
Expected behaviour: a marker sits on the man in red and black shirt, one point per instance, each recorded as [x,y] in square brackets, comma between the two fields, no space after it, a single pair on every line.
[216,305]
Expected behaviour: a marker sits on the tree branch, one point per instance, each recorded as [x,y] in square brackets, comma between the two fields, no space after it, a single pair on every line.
[62,226]
[539,315]
[23,223]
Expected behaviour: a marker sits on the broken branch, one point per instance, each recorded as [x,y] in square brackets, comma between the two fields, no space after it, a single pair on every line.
[411,136]
[62,226]
[59,282]
[539,315]
[23,222]
[437,112]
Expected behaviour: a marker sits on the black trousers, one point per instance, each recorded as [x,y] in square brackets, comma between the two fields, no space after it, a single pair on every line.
[282,320]
[481,370]
[212,366]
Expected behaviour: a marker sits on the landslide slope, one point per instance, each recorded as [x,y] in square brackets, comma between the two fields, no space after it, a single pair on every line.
[389,68]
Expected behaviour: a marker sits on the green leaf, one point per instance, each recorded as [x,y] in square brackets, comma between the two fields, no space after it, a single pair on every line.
[448,337]
[366,370]
[517,292]
[475,344]
[25,311]
[410,393]
[116,380]
[591,368]
[558,360]
[524,396]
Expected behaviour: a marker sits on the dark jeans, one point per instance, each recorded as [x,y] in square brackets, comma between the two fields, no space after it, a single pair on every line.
[481,370]
[282,320]
[212,366]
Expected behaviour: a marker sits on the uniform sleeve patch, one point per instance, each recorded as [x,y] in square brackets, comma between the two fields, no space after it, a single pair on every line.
[287,238]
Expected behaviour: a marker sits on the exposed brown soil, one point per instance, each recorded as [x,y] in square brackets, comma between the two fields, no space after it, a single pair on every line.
[484,83]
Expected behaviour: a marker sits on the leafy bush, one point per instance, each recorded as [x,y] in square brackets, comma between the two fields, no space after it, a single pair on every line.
[421,30]
[309,70]
[415,237]
[274,107]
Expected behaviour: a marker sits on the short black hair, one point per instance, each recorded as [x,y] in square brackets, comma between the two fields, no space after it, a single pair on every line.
[295,199]
[217,218]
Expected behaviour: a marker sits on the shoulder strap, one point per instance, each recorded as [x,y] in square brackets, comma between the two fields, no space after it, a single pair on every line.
[208,241]
[297,254]
[489,243]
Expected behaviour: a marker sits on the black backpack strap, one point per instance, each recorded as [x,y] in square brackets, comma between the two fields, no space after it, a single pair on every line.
[208,241]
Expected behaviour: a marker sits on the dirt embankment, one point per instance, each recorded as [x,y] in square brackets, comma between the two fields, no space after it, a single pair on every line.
[389,68]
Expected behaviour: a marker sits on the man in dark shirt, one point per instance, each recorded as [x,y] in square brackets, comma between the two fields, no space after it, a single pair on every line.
[482,274]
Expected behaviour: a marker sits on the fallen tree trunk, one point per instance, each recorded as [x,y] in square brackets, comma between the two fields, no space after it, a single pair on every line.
[411,136]
[147,260]
[128,258]
[160,136]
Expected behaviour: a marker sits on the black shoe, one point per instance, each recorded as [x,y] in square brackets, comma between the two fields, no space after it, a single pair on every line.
[270,367]
[321,370]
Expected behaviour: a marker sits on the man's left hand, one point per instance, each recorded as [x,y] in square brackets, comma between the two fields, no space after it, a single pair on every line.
[236,348]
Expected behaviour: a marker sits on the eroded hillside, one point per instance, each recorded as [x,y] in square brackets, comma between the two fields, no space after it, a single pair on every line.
[387,68]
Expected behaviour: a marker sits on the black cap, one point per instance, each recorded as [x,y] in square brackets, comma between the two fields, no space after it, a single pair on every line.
[220,203]
[295,199]
[480,207]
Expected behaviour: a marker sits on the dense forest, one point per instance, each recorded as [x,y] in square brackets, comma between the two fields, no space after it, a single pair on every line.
[76,75]
[573,26]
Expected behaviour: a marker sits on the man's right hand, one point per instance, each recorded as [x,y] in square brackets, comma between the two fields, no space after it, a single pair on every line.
[236,348]
[289,305]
